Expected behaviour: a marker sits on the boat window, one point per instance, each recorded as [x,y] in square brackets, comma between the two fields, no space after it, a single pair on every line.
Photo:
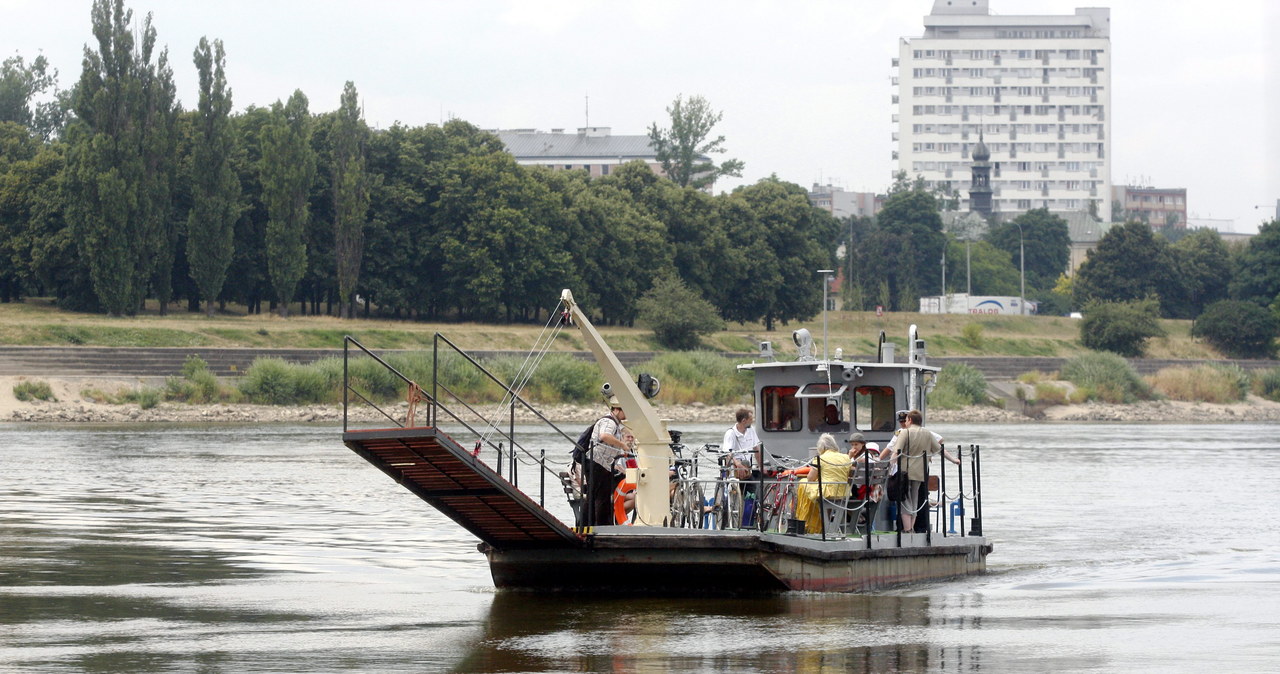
[827,415]
[779,408]
[873,408]
[822,390]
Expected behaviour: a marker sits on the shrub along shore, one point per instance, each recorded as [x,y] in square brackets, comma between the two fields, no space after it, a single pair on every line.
[697,386]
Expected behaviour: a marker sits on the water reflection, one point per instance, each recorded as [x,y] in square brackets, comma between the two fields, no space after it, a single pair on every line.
[787,633]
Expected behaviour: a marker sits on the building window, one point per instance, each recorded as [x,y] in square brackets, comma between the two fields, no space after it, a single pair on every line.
[604,169]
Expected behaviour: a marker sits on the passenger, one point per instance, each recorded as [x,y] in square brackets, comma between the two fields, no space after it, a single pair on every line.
[606,447]
[858,446]
[742,443]
[918,446]
[834,475]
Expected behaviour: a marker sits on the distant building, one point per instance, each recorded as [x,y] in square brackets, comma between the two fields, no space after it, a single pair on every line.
[1156,206]
[1085,233]
[843,204]
[593,149]
[980,180]
[1038,86]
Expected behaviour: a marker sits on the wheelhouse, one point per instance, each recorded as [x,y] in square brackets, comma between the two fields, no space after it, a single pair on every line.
[796,402]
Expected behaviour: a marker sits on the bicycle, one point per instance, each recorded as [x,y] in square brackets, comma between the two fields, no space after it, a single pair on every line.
[778,505]
[726,501]
[686,498]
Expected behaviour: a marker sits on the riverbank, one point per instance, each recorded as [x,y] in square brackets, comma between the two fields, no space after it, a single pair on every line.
[73,407]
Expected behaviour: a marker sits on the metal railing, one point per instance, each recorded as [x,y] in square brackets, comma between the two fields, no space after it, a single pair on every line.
[503,442]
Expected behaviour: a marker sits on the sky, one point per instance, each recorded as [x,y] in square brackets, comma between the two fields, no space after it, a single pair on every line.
[804,87]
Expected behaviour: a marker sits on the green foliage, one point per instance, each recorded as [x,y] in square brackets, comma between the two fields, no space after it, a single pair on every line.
[350,195]
[1204,265]
[1046,240]
[1120,327]
[214,185]
[1130,263]
[1257,268]
[120,150]
[959,385]
[33,390]
[696,376]
[1238,329]
[971,335]
[684,148]
[677,315]
[1267,384]
[20,85]
[288,169]
[1106,377]
[991,270]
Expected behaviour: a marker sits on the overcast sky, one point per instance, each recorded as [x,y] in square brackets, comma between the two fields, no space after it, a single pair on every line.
[803,86]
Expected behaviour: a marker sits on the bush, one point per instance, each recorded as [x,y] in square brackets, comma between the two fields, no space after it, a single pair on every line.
[697,376]
[33,390]
[1202,383]
[1267,384]
[146,397]
[959,385]
[678,315]
[1106,377]
[1050,394]
[1238,329]
[971,335]
[1120,327]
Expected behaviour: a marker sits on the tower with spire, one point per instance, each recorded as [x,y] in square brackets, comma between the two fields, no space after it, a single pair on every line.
[980,183]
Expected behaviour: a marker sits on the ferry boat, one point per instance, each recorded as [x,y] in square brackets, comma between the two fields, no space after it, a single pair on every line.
[471,473]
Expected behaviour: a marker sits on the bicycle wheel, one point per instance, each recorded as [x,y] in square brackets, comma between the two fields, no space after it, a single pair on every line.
[679,506]
[732,510]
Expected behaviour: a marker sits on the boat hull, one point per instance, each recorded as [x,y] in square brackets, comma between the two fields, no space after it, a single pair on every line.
[678,561]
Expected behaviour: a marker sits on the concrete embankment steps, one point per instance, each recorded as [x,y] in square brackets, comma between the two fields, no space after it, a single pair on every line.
[83,361]
[90,361]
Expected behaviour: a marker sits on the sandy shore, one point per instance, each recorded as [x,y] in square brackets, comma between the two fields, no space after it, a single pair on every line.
[73,407]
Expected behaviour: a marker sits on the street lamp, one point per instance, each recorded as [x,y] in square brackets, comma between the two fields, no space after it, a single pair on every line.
[826,284]
[1022,272]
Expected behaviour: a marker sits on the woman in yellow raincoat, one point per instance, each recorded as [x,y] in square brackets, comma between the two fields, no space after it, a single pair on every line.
[834,473]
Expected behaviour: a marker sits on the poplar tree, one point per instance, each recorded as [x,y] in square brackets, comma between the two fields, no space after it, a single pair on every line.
[120,157]
[287,170]
[350,196]
[215,189]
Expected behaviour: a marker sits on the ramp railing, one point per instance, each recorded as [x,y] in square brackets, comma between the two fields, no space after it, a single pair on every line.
[428,403]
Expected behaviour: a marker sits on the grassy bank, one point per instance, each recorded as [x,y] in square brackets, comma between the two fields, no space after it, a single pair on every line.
[37,323]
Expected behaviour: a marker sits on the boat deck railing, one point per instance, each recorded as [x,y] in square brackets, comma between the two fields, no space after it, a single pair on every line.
[948,501]
[431,404]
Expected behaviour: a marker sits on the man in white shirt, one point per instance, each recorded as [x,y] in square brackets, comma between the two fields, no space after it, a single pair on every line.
[741,440]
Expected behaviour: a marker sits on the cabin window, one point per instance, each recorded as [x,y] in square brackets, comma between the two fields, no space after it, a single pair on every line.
[827,415]
[779,408]
[873,408]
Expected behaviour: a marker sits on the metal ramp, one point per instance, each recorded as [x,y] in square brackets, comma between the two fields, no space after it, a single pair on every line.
[435,467]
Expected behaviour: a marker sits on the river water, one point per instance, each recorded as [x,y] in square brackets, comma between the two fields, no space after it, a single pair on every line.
[270,548]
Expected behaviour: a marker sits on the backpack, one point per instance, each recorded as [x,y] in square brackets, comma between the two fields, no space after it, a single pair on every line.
[582,447]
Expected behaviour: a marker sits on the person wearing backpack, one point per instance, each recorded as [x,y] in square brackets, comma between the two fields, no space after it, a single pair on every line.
[606,447]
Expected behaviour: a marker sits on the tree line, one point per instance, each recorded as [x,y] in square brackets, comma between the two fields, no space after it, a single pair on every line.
[113,194]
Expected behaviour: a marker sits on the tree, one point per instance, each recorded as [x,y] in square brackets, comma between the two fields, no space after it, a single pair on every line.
[1203,265]
[992,270]
[20,84]
[1130,263]
[677,314]
[684,148]
[906,246]
[350,196]
[1120,327]
[1257,275]
[287,168]
[119,172]
[1238,329]
[1046,240]
[214,186]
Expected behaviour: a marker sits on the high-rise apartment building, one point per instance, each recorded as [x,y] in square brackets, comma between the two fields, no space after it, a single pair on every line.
[1038,87]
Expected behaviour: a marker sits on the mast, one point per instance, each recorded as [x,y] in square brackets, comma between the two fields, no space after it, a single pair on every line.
[653,448]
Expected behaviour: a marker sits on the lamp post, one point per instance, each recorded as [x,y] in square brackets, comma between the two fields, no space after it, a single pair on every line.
[826,284]
[1022,272]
